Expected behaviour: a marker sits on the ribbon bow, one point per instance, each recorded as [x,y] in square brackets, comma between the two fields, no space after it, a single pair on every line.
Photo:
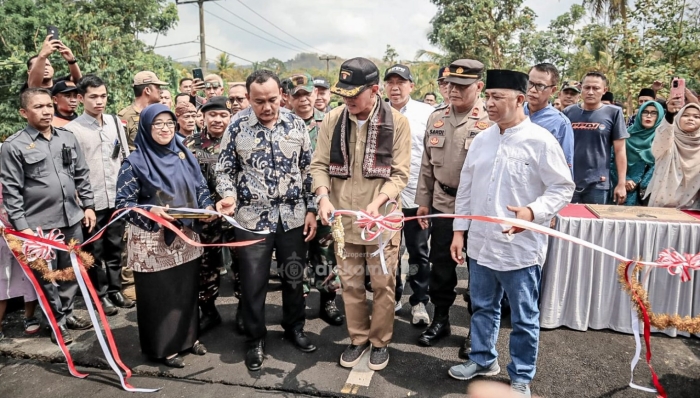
[679,264]
[34,250]
[373,226]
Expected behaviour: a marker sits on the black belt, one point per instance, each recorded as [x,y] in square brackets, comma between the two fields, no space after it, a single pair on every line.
[448,190]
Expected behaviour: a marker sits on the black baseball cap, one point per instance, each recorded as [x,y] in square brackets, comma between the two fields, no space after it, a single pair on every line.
[399,70]
[321,82]
[355,76]
[63,86]
[218,103]
[443,73]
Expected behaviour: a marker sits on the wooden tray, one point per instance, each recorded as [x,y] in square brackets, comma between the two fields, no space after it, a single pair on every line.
[662,214]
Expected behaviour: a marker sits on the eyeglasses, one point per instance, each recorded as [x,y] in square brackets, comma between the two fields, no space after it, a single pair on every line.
[650,113]
[458,87]
[538,86]
[236,99]
[159,125]
[212,85]
[442,83]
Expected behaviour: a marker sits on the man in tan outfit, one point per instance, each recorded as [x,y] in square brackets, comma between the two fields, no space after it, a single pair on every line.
[362,160]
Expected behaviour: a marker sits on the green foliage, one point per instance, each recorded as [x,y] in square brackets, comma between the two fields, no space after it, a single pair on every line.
[390,55]
[103,35]
[492,31]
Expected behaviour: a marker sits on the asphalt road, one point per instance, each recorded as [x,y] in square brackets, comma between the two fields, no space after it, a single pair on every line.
[571,363]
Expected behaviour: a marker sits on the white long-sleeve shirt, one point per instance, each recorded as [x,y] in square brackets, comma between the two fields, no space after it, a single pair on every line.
[523,167]
[417,114]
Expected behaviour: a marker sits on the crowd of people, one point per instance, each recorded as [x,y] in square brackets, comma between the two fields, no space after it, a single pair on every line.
[272,154]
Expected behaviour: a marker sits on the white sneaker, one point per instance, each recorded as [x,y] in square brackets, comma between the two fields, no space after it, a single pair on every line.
[420,315]
[398,307]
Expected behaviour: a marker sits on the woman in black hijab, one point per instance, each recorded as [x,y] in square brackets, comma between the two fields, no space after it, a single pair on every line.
[159,175]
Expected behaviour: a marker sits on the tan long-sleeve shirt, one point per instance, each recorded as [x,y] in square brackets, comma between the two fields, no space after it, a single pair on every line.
[356,192]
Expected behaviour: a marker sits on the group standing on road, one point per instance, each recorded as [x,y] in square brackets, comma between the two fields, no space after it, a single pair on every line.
[274,155]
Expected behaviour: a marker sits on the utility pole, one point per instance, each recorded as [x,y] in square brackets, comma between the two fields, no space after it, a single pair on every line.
[202,41]
[327,58]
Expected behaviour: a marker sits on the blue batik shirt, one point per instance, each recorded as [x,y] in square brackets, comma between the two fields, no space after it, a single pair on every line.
[267,171]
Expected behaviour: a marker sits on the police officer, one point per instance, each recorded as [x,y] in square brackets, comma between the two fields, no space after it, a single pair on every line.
[302,97]
[206,147]
[442,86]
[146,92]
[45,181]
[449,132]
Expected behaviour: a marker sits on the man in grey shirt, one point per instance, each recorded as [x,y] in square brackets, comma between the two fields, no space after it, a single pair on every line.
[103,143]
[43,175]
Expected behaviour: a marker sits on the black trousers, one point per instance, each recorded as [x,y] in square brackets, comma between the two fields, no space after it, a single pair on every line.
[108,249]
[443,274]
[416,241]
[62,297]
[255,262]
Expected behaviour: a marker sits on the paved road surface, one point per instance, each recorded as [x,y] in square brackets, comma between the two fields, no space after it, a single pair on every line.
[571,363]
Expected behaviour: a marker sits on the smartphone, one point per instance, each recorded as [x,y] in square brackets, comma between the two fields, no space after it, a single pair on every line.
[197,74]
[678,89]
[53,31]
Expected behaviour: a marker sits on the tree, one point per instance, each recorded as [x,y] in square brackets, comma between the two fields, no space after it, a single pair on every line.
[390,55]
[102,34]
[492,31]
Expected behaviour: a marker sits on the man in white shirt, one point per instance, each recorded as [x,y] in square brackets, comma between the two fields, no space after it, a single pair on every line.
[103,141]
[398,83]
[513,169]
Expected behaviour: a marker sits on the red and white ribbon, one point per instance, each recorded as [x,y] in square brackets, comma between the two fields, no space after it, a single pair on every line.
[34,250]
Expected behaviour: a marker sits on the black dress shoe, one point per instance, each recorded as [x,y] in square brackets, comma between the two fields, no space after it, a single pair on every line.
[300,340]
[78,323]
[174,362]
[437,330]
[210,318]
[255,356]
[466,347]
[108,306]
[65,333]
[331,314]
[120,301]
[240,326]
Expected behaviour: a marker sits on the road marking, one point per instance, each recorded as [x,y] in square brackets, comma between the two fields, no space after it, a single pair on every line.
[360,376]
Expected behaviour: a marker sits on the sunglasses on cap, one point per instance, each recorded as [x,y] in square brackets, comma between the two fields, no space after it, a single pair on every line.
[298,80]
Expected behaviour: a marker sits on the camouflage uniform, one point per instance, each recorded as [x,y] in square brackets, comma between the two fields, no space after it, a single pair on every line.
[321,249]
[206,150]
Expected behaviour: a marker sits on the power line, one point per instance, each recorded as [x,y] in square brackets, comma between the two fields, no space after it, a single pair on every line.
[189,56]
[176,44]
[247,31]
[233,55]
[258,28]
[280,29]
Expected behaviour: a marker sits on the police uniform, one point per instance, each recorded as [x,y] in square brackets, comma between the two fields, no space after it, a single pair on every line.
[130,120]
[206,149]
[447,140]
[321,254]
[45,183]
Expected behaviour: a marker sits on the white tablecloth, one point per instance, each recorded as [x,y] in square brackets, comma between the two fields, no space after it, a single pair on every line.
[580,287]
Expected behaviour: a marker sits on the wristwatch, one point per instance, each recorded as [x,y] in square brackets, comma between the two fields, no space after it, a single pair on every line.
[318,198]
[73,61]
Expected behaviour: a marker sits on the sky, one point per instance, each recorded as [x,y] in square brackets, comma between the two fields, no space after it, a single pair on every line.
[346,29]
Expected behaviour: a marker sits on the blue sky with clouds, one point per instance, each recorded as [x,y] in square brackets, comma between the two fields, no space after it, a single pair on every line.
[346,29]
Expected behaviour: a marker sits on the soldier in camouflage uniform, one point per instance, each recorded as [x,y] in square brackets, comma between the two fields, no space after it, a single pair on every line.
[320,272]
[205,146]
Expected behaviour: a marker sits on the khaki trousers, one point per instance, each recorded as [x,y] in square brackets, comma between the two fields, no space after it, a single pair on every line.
[380,328]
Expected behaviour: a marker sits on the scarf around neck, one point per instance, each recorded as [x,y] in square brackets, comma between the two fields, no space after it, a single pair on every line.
[639,143]
[378,150]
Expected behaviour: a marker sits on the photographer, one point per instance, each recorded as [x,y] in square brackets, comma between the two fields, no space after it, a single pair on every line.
[39,67]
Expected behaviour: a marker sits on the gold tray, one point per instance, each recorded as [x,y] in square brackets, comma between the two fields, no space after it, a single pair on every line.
[662,214]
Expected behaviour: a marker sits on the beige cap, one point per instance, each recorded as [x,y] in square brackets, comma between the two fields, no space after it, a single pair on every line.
[148,77]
